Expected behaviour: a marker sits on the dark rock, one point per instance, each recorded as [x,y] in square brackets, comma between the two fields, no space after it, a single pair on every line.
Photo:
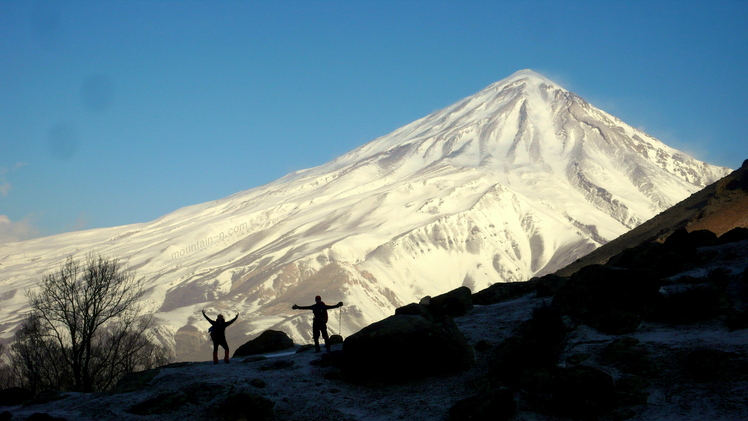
[483,346]
[194,394]
[278,364]
[619,347]
[734,235]
[537,344]
[549,285]
[624,354]
[702,238]
[333,374]
[268,341]
[509,360]
[135,381]
[245,406]
[43,416]
[614,301]
[335,339]
[655,258]
[401,348]
[704,365]
[258,383]
[504,291]
[6,416]
[455,303]
[582,392]
[45,397]
[737,293]
[620,414]
[329,359]
[496,405]
[161,404]
[632,390]
[305,348]
[578,358]
[414,309]
[689,303]
[686,243]
[14,396]
[677,240]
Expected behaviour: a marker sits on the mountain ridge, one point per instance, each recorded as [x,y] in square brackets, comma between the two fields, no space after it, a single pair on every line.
[725,198]
[515,181]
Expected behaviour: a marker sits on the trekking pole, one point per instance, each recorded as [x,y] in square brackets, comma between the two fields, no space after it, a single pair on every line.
[340,322]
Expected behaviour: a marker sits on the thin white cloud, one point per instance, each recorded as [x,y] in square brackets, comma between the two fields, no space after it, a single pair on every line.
[5,185]
[11,231]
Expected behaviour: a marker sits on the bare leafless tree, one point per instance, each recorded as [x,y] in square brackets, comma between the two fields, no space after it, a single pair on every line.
[85,330]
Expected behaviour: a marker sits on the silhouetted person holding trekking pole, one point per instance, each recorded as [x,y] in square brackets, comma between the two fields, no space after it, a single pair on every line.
[319,324]
[218,335]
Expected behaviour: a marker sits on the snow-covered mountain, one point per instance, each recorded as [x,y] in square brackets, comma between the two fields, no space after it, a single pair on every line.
[515,181]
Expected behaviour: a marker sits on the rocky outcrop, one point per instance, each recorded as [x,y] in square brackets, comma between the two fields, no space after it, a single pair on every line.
[268,341]
[404,347]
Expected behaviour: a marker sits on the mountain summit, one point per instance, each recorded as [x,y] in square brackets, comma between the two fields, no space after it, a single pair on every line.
[515,181]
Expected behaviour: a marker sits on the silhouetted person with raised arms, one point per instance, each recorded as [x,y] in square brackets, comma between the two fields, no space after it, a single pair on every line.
[319,324]
[218,335]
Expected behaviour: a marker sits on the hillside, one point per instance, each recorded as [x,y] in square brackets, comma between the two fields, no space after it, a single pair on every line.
[719,207]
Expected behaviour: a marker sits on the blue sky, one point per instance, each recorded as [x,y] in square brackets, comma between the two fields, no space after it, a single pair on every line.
[116,112]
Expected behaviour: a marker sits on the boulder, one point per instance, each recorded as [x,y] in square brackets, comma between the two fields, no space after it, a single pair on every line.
[335,339]
[734,235]
[414,309]
[404,347]
[268,341]
[612,300]
[455,303]
[686,242]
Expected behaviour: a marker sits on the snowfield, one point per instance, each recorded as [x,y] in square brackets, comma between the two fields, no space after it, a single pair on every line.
[515,181]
